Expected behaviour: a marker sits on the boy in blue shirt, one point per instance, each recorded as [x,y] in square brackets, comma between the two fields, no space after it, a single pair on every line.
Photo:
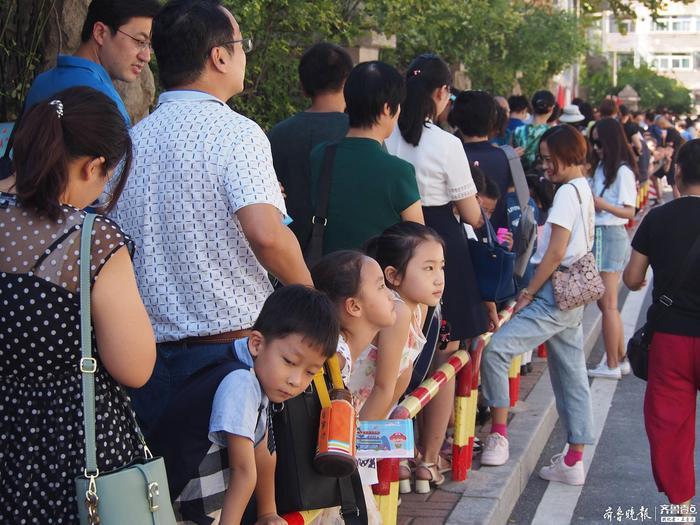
[214,436]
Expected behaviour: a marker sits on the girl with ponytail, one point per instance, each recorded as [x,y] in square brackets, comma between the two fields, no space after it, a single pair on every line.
[65,151]
[445,184]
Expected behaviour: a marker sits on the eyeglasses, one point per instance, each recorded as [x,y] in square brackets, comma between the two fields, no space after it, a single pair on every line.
[246,44]
[141,45]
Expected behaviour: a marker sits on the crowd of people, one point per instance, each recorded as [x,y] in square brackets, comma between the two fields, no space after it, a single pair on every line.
[205,312]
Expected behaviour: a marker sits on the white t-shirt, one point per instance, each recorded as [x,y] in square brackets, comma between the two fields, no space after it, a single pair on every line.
[568,213]
[622,192]
[442,168]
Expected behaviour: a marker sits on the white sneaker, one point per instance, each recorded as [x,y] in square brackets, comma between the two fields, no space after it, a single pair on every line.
[561,472]
[625,367]
[603,371]
[495,451]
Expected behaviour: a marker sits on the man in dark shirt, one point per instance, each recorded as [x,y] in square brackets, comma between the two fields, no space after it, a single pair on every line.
[474,113]
[519,107]
[669,138]
[634,136]
[323,70]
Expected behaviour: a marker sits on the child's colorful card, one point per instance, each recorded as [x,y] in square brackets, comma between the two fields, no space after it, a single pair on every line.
[389,438]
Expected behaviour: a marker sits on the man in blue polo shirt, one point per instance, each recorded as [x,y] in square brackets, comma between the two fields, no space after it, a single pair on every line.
[115,45]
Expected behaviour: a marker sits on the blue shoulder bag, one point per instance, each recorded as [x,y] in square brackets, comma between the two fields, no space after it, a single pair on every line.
[494,267]
[136,493]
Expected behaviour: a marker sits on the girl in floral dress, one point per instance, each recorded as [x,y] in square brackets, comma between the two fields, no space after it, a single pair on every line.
[412,258]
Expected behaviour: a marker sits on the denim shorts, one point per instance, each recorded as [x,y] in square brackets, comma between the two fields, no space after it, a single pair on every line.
[611,248]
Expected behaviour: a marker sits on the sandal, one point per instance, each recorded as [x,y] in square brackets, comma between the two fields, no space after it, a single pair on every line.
[444,464]
[405,474]
[436,478]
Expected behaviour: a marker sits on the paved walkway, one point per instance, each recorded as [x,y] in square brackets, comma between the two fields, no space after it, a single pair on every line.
[436,507]
[619,485]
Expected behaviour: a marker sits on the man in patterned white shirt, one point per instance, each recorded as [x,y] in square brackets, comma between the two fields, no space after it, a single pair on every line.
[202,202]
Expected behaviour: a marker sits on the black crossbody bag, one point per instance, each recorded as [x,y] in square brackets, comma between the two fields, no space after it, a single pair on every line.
[638,345]
[299,486]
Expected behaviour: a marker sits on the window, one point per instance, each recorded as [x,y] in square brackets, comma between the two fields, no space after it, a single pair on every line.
[676,24]
[624,26]
[625,59]
[675,62]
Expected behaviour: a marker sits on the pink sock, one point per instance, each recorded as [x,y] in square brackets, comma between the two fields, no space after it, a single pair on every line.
[572,457]
[500,428]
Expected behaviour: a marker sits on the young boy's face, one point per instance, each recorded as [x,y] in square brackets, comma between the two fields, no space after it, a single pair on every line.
[488,205]
[284,366]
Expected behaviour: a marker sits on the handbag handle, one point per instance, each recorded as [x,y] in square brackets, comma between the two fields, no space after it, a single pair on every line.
[88,364]
[490,234]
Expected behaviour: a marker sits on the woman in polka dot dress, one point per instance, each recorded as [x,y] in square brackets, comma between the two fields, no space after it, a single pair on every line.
[65,151]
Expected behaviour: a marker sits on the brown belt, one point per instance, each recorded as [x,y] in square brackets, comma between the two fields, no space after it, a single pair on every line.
[226,337]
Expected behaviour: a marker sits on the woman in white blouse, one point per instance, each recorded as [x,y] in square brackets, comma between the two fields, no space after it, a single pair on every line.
[445,185]
[615,191]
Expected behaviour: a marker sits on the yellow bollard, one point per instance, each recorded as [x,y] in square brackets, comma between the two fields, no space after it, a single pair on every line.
[514,379]
[386,492]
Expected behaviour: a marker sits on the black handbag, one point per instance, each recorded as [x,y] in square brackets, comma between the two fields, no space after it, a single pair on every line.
[494,267]
[638,345]
[299,486]
[313,251]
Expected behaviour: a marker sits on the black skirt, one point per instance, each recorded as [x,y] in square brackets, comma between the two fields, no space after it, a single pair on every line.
[461,303]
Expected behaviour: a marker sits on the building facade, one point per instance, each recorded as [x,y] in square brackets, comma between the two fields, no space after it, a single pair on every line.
[670,44]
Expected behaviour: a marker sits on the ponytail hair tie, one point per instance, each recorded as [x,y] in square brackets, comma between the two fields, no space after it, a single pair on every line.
[58,106]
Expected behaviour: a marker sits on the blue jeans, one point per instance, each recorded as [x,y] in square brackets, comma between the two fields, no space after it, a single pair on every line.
[175,362]
[542,320]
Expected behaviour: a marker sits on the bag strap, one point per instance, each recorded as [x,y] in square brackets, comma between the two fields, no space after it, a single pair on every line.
[580,201]
[666,298]
[518,175]
[322,389]
[324,185]
[334,369]
[88,364]
[353,509]
[490,233]
[320,218]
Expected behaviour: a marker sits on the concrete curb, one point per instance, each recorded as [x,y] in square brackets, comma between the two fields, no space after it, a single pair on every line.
[491,493]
